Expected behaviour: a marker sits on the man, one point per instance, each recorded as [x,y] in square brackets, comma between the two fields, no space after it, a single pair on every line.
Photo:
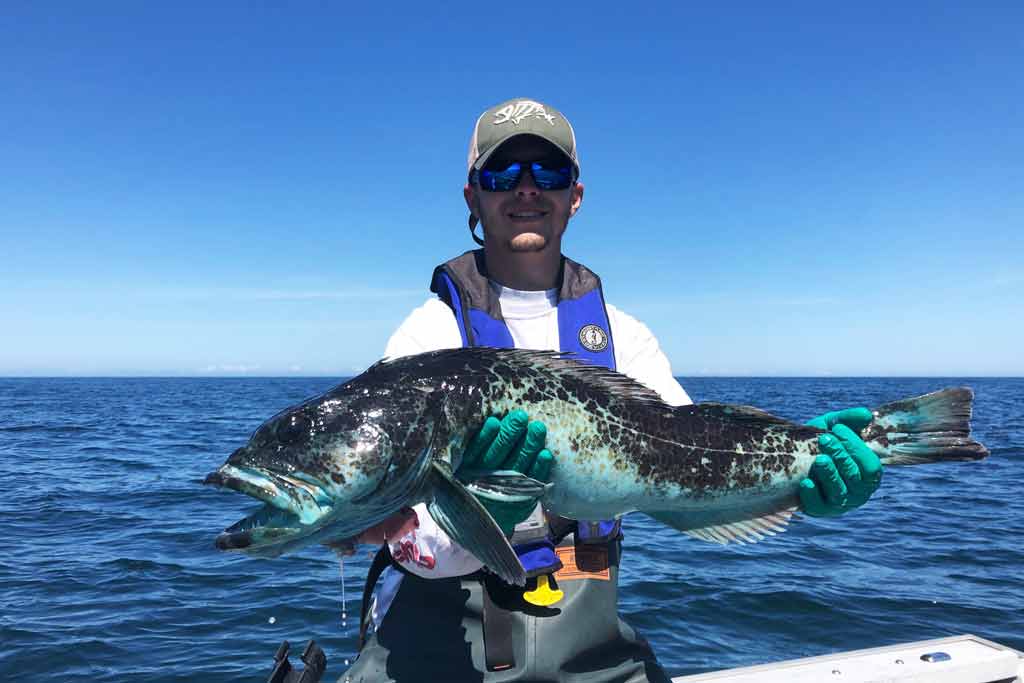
[439,614]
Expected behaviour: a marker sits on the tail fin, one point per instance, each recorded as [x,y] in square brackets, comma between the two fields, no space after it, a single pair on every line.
[930,428]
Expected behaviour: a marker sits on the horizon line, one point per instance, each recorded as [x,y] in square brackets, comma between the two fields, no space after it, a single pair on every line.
[349,376]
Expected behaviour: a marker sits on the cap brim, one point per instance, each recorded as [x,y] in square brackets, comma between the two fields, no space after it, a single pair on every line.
[482,159]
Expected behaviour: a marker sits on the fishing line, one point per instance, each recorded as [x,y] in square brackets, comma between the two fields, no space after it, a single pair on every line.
[344,602]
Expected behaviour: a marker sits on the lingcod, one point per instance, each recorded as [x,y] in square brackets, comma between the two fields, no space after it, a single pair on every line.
[336,464]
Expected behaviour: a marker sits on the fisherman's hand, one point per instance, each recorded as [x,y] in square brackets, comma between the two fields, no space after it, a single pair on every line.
[847,472]
[512,443]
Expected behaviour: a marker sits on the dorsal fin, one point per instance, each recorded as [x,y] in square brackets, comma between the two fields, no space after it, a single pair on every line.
[570,366]
[564,365]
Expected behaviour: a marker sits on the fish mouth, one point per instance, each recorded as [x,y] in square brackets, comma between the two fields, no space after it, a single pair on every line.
[296,493]
[298,511]
[263,527]
[292,506]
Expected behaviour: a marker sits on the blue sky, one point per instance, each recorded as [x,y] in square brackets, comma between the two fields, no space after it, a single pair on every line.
[775,189]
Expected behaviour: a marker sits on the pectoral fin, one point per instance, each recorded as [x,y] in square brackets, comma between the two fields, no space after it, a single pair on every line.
[507,486]
[469,524]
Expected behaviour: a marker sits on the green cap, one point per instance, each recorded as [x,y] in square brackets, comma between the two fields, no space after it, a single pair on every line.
[520,117]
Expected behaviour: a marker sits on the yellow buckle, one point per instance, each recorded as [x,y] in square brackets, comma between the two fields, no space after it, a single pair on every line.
[543,596]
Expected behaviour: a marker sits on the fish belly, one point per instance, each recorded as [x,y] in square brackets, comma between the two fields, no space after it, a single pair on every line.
[602,484]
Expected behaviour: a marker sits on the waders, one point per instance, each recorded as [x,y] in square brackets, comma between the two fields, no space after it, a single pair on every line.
[476,628]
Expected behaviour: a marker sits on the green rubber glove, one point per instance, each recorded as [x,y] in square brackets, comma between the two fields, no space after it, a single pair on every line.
[513,443]
[847,472]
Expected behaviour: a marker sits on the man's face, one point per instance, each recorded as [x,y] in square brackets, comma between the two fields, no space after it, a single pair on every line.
[526,218]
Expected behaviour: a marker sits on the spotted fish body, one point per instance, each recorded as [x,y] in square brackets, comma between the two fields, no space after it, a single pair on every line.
[619,448]
[392,437]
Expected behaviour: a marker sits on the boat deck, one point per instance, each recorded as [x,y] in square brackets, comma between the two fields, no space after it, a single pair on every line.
[957,659]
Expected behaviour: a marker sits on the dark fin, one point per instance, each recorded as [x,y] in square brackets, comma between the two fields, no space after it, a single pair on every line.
[558,363]
[931,428]
[733,413]
[749,530]
[502,485]
[469,524]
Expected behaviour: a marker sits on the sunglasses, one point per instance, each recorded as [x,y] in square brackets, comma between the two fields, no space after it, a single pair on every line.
[547,175]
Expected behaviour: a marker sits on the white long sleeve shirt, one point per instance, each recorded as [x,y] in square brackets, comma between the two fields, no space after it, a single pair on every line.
[532,320]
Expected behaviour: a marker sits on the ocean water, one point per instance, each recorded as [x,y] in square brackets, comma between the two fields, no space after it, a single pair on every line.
[108,571]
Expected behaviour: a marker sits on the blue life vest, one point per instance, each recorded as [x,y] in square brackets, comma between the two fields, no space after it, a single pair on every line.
[583,329]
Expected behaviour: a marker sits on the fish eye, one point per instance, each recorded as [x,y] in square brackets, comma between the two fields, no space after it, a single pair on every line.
[292,428]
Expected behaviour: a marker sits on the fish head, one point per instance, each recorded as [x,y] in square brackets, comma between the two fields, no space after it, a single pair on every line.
[325,471]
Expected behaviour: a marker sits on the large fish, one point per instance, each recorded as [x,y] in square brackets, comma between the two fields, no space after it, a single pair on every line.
[337,464]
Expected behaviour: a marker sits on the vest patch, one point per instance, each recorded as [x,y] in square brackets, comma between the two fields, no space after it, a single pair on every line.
[593,338]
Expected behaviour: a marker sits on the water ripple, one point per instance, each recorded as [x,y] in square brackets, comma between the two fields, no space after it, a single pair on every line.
[108,572]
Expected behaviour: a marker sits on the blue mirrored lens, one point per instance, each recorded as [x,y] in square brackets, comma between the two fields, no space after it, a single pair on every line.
[503,180]
[551,177]
[545,175]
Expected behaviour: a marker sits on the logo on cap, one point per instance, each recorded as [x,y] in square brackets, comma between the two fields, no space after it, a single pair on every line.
[520,110]
[593,338]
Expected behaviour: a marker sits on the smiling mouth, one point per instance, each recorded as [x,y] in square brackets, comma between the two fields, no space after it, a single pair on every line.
[527,215]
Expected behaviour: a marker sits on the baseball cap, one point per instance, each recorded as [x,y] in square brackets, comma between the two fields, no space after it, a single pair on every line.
[521,116]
